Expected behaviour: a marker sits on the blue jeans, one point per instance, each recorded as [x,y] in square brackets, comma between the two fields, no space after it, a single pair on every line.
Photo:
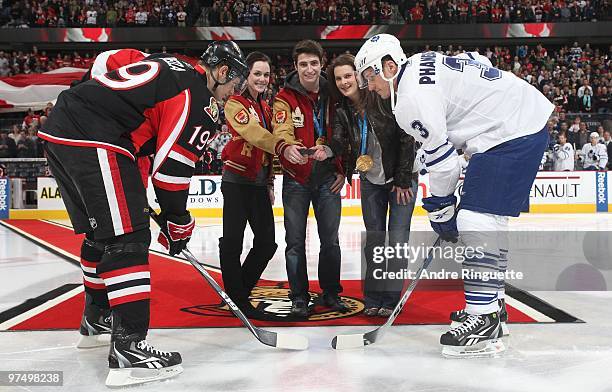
[376,201]
[327,209]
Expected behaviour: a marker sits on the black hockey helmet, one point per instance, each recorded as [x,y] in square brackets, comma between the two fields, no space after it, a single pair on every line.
[227,53]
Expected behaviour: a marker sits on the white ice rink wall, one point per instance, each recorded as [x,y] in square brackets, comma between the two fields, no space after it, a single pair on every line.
[552,192]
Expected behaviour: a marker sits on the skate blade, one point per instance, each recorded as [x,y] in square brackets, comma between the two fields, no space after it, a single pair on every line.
[486,349]
[131,376]
[504,327]
[93,341]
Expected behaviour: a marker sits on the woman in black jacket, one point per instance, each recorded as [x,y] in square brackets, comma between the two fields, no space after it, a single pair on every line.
[368,138]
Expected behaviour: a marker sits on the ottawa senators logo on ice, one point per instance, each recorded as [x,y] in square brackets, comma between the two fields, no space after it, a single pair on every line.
[274,302]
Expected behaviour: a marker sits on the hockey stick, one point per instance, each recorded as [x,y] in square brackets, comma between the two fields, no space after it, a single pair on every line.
[342,342]
[269,338]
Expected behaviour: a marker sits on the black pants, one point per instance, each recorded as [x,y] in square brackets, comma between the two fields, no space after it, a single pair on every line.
[102,190]
[241,204]
[106,199]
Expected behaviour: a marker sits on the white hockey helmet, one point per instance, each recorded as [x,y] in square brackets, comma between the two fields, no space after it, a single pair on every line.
[372,52]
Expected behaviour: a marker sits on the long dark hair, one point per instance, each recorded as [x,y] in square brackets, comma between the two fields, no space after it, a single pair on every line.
[251,59]
[367,100]
[342,60]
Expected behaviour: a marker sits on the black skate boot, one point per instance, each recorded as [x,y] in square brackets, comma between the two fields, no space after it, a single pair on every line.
[477,336]
[458,316]
[133,361]
[95,325]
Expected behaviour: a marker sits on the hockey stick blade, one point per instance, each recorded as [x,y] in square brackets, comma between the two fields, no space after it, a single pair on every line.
[269,338]
[345,342]
[273,339]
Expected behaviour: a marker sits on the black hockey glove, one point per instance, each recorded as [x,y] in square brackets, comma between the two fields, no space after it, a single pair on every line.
[175,232]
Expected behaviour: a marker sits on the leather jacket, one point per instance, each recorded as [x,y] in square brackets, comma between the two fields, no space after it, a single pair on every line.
[398,148]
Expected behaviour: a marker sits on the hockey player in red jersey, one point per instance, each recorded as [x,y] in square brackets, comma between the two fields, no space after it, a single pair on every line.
[159,105]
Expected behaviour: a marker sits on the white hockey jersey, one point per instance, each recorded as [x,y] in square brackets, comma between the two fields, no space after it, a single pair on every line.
[447,102]
[563,157]
[594,155]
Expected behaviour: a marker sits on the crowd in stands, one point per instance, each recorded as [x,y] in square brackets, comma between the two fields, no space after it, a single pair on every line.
[503,11]
[35,61]
[576,78]
[95,13]
[135,13]
[22,141]
[302,12]
[334,12]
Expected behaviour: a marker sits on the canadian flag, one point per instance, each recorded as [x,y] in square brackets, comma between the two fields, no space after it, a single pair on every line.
[523,30]
[87,34]
[227,33]
[21,92]
[349,32]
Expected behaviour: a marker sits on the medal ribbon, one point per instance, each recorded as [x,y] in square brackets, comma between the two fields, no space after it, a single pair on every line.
[363,125]
[263,115]
[319,119]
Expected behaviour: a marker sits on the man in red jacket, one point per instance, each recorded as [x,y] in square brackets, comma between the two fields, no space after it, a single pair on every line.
[301,115]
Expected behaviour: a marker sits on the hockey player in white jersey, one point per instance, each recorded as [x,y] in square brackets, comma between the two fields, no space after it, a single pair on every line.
[594,154]
[450,103]
[563,155]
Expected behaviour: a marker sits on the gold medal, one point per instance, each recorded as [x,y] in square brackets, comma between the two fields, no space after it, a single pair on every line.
[321,141]
[364,163]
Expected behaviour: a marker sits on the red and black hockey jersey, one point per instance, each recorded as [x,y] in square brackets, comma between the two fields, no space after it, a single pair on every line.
[160,106]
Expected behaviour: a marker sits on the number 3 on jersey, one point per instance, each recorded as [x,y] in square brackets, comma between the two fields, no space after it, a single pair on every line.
[418,126]
[130,76]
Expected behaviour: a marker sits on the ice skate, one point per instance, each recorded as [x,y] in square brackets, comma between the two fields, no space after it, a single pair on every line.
[457,317]
[477,336]
[132,360]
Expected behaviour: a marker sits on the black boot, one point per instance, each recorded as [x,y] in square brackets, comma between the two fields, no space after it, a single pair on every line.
[334,302]
[252,312]
[299,308]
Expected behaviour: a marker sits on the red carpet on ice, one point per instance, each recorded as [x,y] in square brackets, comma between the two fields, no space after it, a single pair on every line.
[181,298]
